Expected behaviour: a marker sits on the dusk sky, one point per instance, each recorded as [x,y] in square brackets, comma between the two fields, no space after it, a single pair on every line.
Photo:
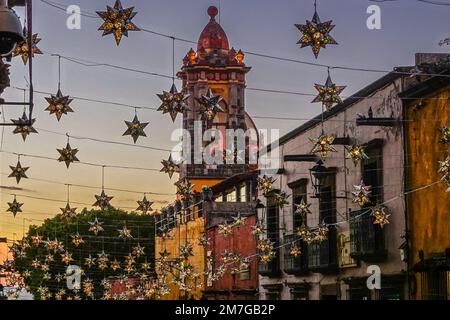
[266,27]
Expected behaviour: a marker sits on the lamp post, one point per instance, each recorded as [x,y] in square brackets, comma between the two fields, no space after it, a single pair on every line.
[317,174]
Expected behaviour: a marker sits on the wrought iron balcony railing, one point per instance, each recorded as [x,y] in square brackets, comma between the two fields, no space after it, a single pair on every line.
[322,256]
[366,239]
[295,265]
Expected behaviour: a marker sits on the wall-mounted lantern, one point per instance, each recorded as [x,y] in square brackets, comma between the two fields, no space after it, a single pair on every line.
[318,173]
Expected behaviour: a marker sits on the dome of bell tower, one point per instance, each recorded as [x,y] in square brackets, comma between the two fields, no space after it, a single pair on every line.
[213,36]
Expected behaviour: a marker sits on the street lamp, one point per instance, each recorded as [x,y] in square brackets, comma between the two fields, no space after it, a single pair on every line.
[317,174]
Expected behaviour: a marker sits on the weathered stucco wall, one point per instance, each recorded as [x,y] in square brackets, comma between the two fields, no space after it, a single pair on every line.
[385,103]
[429,209]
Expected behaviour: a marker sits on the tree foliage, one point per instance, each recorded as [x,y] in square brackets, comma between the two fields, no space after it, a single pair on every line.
[60,228]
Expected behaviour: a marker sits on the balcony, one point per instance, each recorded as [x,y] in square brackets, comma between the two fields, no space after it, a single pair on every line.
[322,256]
[271,269]
[295,265]
[366,239]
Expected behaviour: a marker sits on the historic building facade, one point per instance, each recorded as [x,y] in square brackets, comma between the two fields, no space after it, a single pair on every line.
[233,203]
[338,267]
[427,113]
[217,67]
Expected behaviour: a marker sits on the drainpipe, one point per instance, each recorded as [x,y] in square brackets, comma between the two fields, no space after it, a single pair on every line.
[405,186]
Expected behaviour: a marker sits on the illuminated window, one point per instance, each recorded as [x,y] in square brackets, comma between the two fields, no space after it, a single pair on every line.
[243,193]
[231,197]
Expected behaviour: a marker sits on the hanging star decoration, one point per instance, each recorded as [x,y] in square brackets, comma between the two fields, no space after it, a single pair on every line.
[36,240]
[68,212]
[59,104]
[89,261]
[117,21]
[145,205]
[66,257]
[186,250]
[380,216]
[95,226]
[264,245]
[23,126]
[59,277]
[280,199]
[323,145]
[305,233]
[68,155]
[265,184]
[445,135]
[204,241]
[322,232]
[316,34]
[22,47]
[18,172]
[185,188]
[135,129]
[329,93]
[169,167]
[361,194]
[115,265]
[103,201]
[14,207]
[295,251]
[444,167]
[49,258]
[138,250]
[356,153]
[209,105]
[259,228]
[77,240]
[225,229]
[238,220]
[102,258]
[35,263]
[302,208]
[125,233]
[173,102]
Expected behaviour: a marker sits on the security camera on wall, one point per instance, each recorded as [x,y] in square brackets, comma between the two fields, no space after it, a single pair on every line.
[10,30]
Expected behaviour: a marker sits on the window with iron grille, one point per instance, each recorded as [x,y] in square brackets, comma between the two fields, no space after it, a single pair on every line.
[372,170]
[322,256]
[272,220]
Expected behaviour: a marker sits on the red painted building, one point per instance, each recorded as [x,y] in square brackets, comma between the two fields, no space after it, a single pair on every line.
[234,198]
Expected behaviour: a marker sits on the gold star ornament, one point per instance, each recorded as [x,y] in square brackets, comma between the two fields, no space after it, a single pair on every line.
[59,104]
[316,34]
[361,194]
[68,212]
[445,135]
[265,184]
[329,93]
[117,21]
[302,208]
[323,145]
[380,217]
[295,251]
[22,47]
[356,154]
[173,102]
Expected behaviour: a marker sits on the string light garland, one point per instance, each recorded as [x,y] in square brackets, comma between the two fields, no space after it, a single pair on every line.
[380,216]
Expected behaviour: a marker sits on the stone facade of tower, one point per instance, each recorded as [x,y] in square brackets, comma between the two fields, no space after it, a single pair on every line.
[217,67]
